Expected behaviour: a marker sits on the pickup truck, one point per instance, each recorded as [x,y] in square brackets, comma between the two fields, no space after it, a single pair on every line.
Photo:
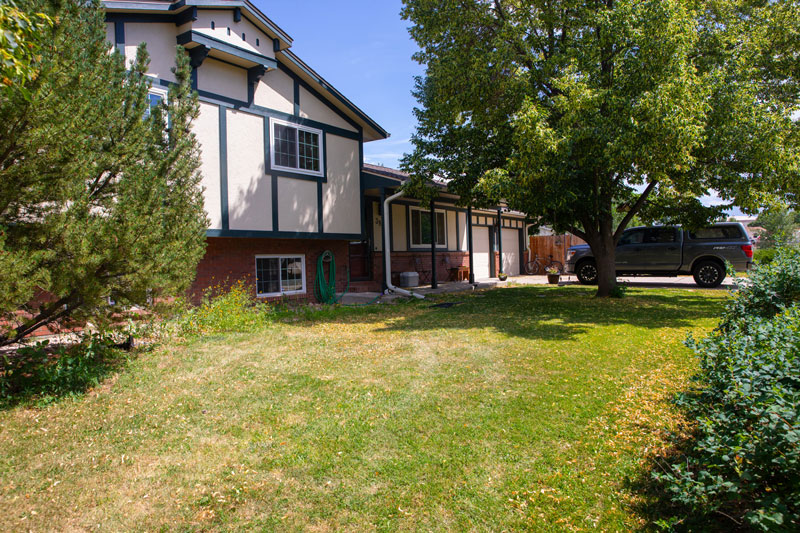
[670,251]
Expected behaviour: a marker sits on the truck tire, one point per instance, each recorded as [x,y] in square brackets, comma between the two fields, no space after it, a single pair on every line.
[586,271]
[708,274]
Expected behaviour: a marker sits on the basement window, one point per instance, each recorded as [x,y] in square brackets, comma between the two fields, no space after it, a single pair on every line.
[296,148]
[277,275]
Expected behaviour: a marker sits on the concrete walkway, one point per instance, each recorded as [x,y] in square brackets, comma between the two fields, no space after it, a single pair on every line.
[679,282]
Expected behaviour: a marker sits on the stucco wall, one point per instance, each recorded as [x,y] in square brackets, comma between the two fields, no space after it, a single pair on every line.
[462,231]
[275,91]
[377,230]
[452,235]
[223,19]
[311,107]
[341,194]
[249,189]
[399,228]
[160,39]
[110,33]
[224,79]
[206,128]
[297,205]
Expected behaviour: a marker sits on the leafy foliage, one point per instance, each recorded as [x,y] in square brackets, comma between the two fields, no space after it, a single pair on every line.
[95,199]
[764,255]
[745,462]
[574,110]
[225,310]
[19,46]
[779,226]
[43,374]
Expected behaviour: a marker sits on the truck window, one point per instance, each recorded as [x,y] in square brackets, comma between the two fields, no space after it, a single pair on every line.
[634,236]
[660,235]
[716,233]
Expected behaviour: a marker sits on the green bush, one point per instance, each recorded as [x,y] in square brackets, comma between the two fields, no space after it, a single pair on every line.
[43,373]
[764,256]
[225,310]
[745,461]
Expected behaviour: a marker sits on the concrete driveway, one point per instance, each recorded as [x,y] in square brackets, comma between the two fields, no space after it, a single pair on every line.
[681,282]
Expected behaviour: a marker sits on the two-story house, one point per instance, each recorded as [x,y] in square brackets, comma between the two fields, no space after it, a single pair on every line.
[282,161]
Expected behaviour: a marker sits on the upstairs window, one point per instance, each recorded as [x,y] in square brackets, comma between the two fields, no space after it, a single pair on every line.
[421,228]
[296,148]
[155,96]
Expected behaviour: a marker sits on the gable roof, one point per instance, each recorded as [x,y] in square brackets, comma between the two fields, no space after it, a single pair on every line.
[281,43]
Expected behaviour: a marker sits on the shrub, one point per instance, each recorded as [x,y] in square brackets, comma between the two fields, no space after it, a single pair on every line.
[764,256]
[44,373]
[769,289]
[745,461]
[231,310]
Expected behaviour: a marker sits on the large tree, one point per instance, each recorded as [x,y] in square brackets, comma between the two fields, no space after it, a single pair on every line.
[99,194]
[574,110]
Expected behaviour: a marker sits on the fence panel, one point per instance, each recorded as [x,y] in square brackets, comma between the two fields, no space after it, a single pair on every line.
[552,245]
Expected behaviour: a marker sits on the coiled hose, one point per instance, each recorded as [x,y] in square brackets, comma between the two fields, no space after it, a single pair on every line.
[325,288]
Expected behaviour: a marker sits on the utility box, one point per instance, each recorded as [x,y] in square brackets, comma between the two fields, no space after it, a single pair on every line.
[409,279]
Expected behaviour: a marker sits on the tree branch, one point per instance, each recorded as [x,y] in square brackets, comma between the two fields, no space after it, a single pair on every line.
[633,210]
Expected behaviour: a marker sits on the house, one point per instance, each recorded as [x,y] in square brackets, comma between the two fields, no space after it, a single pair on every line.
[283,166]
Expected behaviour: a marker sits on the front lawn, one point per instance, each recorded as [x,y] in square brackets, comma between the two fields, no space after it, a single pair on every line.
[520,408]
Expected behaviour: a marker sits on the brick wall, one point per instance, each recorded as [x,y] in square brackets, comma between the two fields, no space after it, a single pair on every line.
[229,259]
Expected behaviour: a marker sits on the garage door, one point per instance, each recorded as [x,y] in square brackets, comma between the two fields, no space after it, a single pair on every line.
[480,252]
[511,251]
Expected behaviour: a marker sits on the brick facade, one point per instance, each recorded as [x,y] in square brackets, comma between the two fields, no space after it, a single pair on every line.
[230,259]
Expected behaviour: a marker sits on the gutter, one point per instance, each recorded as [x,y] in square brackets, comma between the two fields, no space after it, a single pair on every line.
[387,253]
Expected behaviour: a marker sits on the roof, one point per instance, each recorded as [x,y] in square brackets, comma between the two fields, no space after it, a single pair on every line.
[386,172]
[371,129]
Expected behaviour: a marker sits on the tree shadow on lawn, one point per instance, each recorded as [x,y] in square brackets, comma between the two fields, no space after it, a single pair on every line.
[541,312]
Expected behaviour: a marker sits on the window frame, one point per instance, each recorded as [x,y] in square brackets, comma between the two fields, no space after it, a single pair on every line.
[161,92]
[411,236]
[302,258]
[298,127]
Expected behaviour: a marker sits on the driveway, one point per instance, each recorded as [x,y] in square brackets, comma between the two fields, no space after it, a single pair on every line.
[683,282]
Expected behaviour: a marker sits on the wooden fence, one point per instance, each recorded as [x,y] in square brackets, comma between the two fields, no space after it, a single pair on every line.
[555,245]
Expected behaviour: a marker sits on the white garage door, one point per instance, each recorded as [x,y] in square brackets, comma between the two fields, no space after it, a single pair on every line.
[511,251]
[480,252]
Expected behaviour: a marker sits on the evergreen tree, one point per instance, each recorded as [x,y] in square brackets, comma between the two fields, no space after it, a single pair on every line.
[98,197]
[574,110]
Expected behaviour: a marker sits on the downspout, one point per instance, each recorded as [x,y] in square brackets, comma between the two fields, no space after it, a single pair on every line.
[387,253]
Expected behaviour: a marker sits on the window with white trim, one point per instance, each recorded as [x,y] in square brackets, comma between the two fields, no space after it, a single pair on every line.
[296,148]
[421,228]
[155,96]
[280,274]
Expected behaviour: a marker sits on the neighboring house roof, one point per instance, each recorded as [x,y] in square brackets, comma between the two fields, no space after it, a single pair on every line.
[386,172]
[282,42]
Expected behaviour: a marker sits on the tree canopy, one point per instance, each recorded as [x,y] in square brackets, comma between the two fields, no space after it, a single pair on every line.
[572,110]
[99,194]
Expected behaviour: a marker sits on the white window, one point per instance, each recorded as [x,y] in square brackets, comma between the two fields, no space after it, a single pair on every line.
[155,96]
[421,228]
[278,274]
[296,148]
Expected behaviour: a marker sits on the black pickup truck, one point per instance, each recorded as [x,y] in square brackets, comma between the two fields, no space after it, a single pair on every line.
[670,251]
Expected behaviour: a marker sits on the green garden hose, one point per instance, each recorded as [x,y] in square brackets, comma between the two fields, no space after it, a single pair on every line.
[325,288]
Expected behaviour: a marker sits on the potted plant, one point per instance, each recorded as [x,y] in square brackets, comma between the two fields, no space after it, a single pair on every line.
[553,275]
[502,276]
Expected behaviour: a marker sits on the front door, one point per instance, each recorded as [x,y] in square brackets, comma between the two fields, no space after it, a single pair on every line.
[481,250]
[359,260]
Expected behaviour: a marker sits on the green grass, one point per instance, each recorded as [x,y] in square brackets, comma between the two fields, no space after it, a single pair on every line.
[521,408]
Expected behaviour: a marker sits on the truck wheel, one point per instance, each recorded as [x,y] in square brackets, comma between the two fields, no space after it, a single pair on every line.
[586,272]
[708,274]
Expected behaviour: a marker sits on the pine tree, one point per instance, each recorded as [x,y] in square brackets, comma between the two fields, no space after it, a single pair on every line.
[98,197]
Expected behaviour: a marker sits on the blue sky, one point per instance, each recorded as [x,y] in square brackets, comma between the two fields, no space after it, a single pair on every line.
[363,49]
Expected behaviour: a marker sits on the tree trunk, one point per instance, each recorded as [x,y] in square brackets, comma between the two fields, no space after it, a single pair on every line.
[604,251]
